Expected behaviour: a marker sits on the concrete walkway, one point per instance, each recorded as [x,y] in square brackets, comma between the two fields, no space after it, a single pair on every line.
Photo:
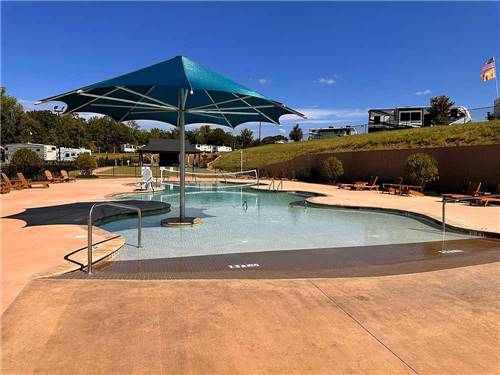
[435,323]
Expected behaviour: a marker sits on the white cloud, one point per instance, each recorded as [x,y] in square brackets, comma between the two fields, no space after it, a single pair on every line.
[262,81]
[424,92]
[326,81]
[329,116]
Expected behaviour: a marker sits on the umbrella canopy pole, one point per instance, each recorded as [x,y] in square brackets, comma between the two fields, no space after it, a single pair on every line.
[182,175]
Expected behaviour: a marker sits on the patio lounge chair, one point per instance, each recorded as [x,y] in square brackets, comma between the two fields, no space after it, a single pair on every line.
[67,177]
[361,185]
[416,189]
[472,191]
[11,185]
[28,184]
[485,200]
[146,179]
[4,189]
[52,179]
[394,187]
[370,185]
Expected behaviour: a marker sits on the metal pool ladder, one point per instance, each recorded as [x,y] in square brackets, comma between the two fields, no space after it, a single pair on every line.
[89,228]
[275,185]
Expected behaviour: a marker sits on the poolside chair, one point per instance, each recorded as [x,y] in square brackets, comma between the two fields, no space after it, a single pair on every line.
[52,179]
[146,179]
[28,184]
[66,177]
[415,190]
[472,191]
[485,200]
[395,187]
[4,189]
[370,185]
[12,185]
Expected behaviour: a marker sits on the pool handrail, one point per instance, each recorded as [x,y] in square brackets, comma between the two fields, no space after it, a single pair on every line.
[89,228]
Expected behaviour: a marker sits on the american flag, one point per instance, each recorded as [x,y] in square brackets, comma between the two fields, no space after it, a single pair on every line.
[490,64]
[488,70]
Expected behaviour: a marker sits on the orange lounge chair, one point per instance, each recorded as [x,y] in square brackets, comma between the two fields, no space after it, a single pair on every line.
[28,184]
[416,189]
[12,185]
[472,191]
[367,186]
[394,187]
[67,177]
[4,189]
[484,201]
[52,179]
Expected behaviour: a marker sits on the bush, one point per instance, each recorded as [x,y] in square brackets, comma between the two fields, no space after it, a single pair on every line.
[86,163]
[332,169]
[27,162]
[422,166]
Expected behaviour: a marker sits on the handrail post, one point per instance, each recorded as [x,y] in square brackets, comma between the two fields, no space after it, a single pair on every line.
[89,228]
[443,218]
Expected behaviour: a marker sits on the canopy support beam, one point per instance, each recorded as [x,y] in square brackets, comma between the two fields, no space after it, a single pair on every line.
[182,96]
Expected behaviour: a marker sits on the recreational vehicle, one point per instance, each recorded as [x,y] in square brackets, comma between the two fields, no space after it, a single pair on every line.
[331,132]
[70,154]
[44,152]
[410,117]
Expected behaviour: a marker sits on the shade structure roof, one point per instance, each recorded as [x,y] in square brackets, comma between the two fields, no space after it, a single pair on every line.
[161,145]
[152,93]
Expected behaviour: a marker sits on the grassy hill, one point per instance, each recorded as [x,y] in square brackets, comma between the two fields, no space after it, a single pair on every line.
[481,133]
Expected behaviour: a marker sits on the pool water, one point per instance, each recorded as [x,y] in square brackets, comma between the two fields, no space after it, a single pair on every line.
[239,220]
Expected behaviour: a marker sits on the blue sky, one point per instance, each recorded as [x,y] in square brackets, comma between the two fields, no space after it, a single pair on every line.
[331,61]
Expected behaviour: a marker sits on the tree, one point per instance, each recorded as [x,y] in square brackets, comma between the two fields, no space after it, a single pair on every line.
[245,138]
[440,110]
[332,169]
[11,113]
[422,166]
[296,133]
[86,163]
[27,162]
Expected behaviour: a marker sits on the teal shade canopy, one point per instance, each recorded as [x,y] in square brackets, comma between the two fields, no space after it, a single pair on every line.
[158,92]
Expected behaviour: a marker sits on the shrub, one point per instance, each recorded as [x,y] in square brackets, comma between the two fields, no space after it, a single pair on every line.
[86,164]
[332,169]
[422,166]
[27,162]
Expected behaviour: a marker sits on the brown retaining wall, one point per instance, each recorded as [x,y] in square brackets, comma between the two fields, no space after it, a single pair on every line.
[457,165]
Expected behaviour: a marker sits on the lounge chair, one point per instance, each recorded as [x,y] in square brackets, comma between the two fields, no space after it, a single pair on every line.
[485,200]
[416,189]
[370,185]
[394,187]
[66,177]
[28,184]
[146,179]
[361,185]
[472,191]
[12,185]
[52,179]
[4,189]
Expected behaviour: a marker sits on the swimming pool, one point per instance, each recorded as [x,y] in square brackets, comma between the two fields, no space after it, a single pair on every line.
[237,220]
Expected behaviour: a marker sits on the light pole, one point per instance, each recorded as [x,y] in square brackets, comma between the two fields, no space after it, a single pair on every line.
[241,160]
[58,111]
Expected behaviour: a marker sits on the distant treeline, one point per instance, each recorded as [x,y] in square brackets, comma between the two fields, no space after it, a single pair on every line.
[100,134]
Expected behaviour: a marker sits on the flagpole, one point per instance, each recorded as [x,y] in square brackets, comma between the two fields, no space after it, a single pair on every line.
[496,79]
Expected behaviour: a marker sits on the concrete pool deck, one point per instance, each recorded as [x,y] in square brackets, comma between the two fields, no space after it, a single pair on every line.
[444,321]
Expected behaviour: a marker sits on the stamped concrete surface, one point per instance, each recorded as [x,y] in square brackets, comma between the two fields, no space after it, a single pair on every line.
[442,322]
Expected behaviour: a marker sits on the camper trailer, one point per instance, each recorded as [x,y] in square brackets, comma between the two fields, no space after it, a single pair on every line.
[44,152]
[210,148]
[70,154]
[410,117]
[331,132]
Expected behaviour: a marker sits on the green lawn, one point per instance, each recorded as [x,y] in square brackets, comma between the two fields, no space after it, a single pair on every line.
[481,133]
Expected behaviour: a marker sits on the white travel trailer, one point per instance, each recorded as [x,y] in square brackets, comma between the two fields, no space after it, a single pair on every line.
[70,154]
[45,152]
[127,147]
[210,148]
